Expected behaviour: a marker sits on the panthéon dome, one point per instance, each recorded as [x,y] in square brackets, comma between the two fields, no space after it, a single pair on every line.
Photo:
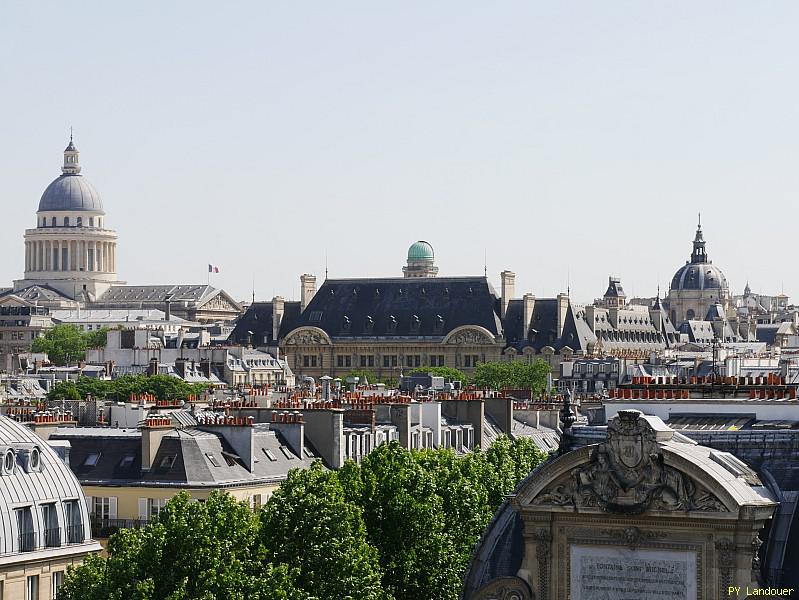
[71,191]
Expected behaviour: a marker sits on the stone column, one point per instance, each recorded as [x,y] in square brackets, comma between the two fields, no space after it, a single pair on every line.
[69,255]
[85,256]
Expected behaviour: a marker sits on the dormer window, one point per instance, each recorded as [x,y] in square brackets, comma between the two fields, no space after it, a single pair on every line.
[9,461]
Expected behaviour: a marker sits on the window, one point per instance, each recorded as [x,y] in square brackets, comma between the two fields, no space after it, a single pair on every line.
[73,522]
[256,501]
[471,360]
[25,532]
[9,460]
[343,360]
[614,367]
[101,508]
[66,221]
[269,455]
[436,360]
[589,368]
[79,221]
[287,453]
[168,461]
[32,587]
[126,461]
[389,361]
[52,534]
[367,360]
[91,221]
[309,360]
[413,360]
[52,222]
[154,507]
[91,459]
[57,580]
[212,459]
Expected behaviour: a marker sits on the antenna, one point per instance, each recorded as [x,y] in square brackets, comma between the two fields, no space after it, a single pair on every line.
[70,133]
[253,289]
[325,265]
[485,262]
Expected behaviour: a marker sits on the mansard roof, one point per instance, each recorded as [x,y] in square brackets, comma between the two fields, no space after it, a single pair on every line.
[258,319]
[402,307]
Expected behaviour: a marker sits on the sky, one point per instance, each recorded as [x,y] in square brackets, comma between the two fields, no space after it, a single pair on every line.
[565,141]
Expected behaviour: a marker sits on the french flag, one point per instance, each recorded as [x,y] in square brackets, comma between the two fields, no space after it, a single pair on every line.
[213,268]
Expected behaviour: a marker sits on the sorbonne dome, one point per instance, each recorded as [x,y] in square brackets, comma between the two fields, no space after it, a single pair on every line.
[697,285]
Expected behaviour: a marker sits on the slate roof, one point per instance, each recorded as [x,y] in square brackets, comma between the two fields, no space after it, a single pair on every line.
[258,319]
[157,293]
[188,457]
[38,292]
[402,307]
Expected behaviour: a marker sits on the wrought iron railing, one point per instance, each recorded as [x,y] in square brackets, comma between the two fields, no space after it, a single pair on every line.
[52,537]
[27,541]
[104,528]
[75,534]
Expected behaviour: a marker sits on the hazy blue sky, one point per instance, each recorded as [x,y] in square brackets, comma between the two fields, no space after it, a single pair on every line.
[566,140]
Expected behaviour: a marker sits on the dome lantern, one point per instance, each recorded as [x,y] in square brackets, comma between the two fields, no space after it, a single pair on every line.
[71,159]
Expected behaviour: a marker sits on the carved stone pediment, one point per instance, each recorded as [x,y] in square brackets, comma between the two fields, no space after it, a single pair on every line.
[627,474]
[470,337]
[306,337]
[504,588]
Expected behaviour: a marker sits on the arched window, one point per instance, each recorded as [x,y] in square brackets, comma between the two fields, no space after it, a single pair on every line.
[91,221]
[689,316]
[52,222]
[66,221]
[80,221]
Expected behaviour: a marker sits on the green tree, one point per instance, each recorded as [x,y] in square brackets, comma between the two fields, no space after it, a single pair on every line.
[163,387]
[448,373]
[204,550]
[64,344]
[513,375]
[308,523]
[97,338]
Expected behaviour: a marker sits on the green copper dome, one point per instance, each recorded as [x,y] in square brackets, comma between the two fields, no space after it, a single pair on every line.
[420,250]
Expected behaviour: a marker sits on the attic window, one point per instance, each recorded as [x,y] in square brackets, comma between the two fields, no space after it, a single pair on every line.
[212,459]
[126,461]
[91,459]
[315,316]
[287,453]
[168,461]
[269,455]
[307,453]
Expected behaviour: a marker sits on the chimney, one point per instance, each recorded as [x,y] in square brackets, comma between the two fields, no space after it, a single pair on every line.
[152,368]
[168,309]
[527,315]
[152,432]
[307,289]
[563,307]
[277,317]
[508,290]
[291,428]
[180,367]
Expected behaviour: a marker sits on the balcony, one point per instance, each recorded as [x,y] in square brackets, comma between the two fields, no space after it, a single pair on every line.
[52,537]
[105,528]
[27,541]
[75,534]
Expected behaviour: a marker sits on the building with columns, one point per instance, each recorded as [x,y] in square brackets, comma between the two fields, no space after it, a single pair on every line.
[70,250]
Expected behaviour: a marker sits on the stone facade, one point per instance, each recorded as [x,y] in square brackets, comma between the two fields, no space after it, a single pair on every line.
[642,515]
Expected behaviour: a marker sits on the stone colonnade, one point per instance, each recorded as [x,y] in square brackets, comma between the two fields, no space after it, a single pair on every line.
[70,255]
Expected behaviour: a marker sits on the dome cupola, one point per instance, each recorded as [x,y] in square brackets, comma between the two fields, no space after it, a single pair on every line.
[71,191]
[421,260]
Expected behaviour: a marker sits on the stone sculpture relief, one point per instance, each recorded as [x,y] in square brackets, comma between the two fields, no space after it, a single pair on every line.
[627,474]
[469,336]
[306,338]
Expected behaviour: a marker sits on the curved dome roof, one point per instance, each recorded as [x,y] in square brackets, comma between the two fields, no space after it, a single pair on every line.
[698,276]
[71,192]
[699,273]
[420,250]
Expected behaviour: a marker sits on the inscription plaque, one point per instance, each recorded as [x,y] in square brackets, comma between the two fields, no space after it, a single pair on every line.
[611,573]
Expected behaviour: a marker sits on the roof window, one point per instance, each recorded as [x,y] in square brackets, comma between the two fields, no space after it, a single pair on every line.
[212,459]
[91,459]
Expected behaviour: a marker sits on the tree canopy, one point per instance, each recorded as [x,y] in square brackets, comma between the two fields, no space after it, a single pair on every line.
[514,374]
[66,344]
[399,526]
[448,373]
[163,387]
